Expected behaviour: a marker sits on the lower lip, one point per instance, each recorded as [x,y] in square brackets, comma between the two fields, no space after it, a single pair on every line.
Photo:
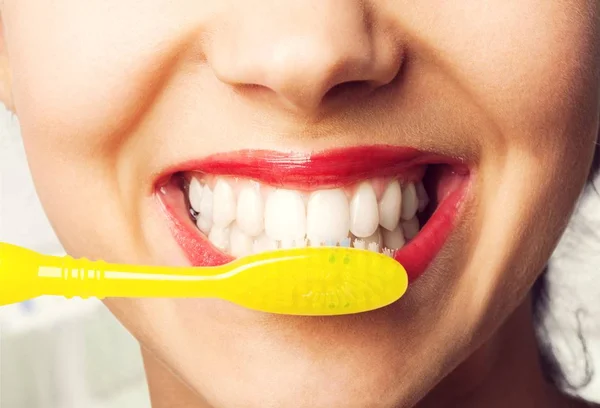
[416,256]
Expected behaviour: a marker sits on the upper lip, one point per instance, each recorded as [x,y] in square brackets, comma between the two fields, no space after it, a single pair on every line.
[330,168]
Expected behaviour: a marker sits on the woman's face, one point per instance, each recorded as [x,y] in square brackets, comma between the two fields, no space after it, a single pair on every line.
[127,107]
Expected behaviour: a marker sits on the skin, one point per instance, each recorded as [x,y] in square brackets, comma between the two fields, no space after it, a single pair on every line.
[111,92]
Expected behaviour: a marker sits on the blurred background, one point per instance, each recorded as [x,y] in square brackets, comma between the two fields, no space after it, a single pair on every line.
[57,353]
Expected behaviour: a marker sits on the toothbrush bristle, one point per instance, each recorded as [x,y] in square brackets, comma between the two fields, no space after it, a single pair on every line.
[389,252]
[373,247]
[359,244]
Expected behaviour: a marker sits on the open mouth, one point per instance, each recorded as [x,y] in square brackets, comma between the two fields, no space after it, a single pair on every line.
[396,201]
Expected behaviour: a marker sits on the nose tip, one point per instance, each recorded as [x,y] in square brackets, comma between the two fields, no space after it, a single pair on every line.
[306,64]
[306,74]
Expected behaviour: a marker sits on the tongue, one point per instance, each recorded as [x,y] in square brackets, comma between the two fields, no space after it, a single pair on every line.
[443,180]
[449,180]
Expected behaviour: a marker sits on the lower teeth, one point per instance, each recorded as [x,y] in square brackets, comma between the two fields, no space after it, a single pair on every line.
[232,241]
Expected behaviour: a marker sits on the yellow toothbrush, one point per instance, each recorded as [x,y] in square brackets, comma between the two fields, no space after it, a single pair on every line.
[301,281]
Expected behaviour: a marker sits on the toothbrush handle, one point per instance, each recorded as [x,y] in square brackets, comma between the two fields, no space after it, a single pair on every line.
[84,278]
[25,274]
[69,277]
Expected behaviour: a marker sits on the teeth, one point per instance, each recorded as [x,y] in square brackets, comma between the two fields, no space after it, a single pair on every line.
[263,243]
[240,243]
[422,196]
[250,210]
[204,224]
[394,239]
[224,210]
[219,237]
[410,202]
[286,243]
[364,215]
[254,221]
[300,243]
[293,243]
[195,194]
[390,206]
[285,215]
[411,228]
[376,237]
[328,216]
[206,204]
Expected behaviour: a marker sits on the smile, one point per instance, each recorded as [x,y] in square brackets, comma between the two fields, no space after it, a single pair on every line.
[393,200]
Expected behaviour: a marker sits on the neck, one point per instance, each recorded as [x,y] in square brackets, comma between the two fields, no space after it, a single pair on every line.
[504,372]
[167,390]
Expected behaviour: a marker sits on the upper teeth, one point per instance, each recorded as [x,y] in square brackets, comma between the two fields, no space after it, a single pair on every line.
[243,217]
[205,209]
[364,212]
[250,210]
[328,216]
[410,202]
[390,206]
[285,215]
[224,205]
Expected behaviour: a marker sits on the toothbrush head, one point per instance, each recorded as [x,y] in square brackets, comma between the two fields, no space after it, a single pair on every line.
[316,281]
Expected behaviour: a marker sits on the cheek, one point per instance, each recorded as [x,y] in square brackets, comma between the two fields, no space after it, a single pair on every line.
[82,81]
[530,66]
[524,207]
[537,82]
[85,72]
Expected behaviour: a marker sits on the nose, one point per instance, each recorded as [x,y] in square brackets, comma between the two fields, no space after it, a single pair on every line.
[306,53]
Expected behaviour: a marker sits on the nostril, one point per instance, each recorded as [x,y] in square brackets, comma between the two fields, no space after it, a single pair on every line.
[349,88]
[251,89]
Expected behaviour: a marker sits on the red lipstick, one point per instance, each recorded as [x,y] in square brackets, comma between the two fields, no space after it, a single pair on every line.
[307,171]
[328,169]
